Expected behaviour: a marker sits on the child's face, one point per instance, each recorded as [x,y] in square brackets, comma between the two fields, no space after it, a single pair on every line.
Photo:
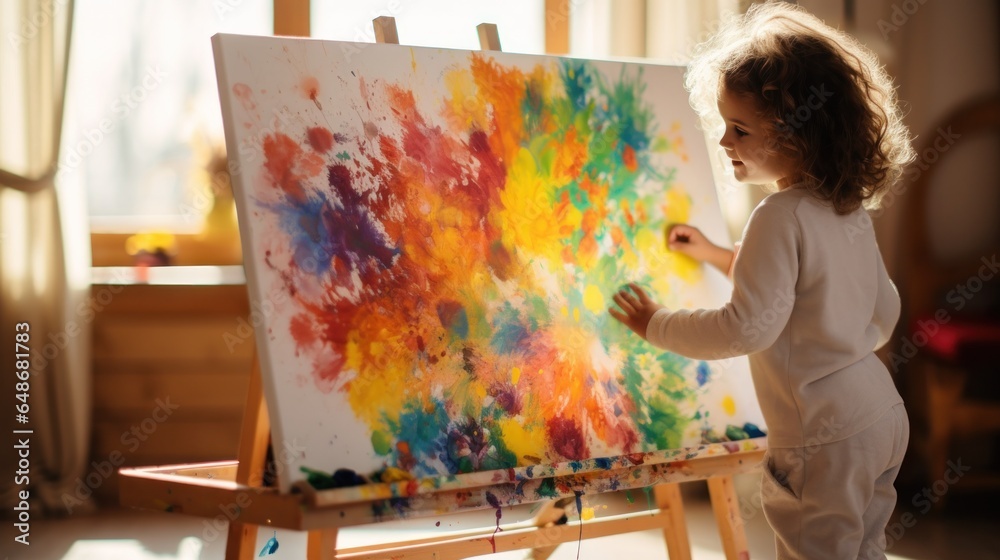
[748,144]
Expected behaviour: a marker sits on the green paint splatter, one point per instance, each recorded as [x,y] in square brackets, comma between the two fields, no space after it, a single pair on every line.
[547,489]
[381,443]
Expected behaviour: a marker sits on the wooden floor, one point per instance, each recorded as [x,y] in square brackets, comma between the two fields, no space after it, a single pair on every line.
[968,530]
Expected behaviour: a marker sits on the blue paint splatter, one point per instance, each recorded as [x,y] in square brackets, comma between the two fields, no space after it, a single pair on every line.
[753,431]
[703,373]
[603,463]
[270,546]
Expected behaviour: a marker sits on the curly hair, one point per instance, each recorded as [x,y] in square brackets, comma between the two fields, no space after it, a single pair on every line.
[825,100]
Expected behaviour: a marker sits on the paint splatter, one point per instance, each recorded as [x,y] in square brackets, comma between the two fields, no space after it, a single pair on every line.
[729,405]
[270,547]
[310,89]
[752,430]
[703,373]
[449,272]
[320,138]
[579,510]
[244,93]
[494,502]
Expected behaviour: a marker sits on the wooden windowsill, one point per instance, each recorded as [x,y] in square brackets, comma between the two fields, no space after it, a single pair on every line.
[108,249]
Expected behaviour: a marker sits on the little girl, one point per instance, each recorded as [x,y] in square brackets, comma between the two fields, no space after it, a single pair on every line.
[807,108]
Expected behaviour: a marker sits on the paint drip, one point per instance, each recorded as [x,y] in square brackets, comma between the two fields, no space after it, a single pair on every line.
[493,501]
[579,512]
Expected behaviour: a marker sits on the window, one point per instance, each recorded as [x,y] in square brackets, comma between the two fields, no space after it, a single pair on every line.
[142,109]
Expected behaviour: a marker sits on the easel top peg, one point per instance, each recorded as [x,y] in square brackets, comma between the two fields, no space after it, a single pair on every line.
[385,32]
[489,37]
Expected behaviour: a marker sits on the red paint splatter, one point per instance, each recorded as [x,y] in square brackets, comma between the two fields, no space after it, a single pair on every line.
[301,329]
[486,188]
[567,438]
[310,87]
[636,458]
[320,139]
[493,501]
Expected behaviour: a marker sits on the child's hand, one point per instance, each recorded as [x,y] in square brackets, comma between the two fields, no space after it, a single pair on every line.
[636,310]
[689,241]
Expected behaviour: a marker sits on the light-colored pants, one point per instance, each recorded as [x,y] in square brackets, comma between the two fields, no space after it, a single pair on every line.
[833,500]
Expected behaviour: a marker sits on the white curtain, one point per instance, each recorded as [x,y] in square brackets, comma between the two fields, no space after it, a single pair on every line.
[44,260]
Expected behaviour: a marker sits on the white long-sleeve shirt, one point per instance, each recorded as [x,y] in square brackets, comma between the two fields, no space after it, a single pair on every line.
[811,302]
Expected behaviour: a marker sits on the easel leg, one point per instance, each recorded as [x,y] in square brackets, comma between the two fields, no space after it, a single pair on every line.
[322,544]
[725,504]
[252,455]
[668,499]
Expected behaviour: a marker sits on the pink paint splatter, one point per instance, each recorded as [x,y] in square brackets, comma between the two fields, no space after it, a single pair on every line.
[245,95]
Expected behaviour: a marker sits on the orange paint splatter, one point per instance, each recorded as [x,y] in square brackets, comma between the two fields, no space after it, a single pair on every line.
[288,165]
[617,236]
[628,158]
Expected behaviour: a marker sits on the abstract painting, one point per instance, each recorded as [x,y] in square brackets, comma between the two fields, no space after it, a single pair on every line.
[432,238]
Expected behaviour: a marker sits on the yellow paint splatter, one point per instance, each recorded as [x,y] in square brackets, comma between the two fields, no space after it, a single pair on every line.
[515,374]
[520,440]
[465,108]
[576,313]
[527,220]
[587,513]
[564,311]
[593,299]
[729,405]
[678,205]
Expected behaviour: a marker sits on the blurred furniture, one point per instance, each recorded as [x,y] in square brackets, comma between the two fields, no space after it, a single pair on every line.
[951,353]
[172,352]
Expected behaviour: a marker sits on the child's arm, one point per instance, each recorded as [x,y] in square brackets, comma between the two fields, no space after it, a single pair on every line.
[765,275]
[690,241]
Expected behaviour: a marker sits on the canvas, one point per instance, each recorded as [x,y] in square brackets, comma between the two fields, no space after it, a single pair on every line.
[432,238]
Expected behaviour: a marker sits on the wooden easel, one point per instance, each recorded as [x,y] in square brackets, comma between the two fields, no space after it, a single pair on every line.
[235,487]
